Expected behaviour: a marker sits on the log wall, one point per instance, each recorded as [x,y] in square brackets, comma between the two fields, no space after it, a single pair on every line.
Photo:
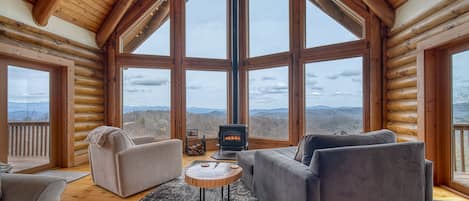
[89,78]
[401,59]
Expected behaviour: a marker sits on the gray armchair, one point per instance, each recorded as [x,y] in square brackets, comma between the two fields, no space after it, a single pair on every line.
[126,167]
[22,187]
[385,172]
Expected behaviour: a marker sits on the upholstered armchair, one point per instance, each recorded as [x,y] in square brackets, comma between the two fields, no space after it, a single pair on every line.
[25,187]
[127,166]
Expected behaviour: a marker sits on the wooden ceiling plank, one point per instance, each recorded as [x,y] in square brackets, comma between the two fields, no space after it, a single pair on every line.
[86,11]
[112,20]
[93,7]
[76,17]
[383,10]
[43,10]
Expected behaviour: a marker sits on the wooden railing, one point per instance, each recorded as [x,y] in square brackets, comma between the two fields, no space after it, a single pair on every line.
[460,155]
[29,139]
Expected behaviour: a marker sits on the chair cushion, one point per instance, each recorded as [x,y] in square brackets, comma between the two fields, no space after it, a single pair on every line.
[314,142]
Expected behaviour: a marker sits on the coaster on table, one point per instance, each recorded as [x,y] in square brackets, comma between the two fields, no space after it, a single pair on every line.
[234,166]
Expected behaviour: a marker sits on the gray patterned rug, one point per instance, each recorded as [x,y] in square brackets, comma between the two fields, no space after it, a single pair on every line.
[178,190]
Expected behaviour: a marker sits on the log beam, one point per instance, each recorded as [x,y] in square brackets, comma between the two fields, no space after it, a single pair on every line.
[383,10]
[43,10]
[112,20]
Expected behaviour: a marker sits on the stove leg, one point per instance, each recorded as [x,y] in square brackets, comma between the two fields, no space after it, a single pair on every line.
[222,193]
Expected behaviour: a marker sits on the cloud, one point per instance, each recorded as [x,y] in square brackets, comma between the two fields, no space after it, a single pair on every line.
[132,77]
[358,80]
[315,93]
[340,93]
[311,75]
[133,90]
[267,78]
[350,73]
[194,87]
[274,90]
[148,82]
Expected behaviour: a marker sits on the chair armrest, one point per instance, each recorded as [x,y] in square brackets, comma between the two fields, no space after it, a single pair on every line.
[278,178]
[143,140]
[147,165]
[31,187]
[428,180]
[372,172]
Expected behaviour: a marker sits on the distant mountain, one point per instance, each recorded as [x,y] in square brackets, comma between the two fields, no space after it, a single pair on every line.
[28,111]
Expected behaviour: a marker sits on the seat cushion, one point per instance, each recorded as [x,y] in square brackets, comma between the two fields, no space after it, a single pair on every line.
[314,142]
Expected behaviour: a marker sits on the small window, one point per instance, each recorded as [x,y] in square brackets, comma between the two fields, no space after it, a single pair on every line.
[268,103]
[269,28]
[206,100]
[151,34]
[206,29]
[146,102]
[329,23]
[334,96]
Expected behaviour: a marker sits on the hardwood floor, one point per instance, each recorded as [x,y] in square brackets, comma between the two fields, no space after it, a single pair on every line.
[85,190]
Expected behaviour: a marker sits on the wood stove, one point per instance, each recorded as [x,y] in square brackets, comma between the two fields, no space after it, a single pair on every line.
[233,137]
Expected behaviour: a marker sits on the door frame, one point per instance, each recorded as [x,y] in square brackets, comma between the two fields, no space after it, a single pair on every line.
[61,97]
[434,108]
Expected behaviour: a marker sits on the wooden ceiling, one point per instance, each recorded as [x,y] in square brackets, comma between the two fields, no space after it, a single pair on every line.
[89,14]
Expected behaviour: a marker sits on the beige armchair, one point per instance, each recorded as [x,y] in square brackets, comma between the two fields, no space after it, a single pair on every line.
[127,166]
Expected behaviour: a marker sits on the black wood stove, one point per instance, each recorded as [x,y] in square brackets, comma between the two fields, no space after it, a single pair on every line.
[233,137]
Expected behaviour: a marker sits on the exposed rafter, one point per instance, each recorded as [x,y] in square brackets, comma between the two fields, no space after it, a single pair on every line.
[43,10]
[158,15]
[383,10]
[112,20]
[335,12]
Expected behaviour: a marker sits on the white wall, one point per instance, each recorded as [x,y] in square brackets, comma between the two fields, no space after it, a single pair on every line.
[21,11]
[412,9]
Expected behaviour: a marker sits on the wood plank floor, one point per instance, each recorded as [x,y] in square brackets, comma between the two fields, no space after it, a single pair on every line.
[85,190]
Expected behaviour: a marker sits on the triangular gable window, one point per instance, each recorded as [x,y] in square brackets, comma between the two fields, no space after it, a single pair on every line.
[329,22]
[151,34]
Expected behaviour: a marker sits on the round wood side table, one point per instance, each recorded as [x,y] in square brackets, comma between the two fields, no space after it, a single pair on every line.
[217,174]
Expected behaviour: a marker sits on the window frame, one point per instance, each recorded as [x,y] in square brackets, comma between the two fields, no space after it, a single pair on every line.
[121,97]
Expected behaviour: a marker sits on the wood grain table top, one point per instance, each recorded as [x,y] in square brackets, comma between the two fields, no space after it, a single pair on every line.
[217,174]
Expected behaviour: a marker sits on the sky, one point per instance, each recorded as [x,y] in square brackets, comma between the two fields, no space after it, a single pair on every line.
[27,85]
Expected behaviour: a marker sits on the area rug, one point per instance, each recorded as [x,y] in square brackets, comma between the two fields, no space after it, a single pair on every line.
[69,176]
[225,155]
[178,190]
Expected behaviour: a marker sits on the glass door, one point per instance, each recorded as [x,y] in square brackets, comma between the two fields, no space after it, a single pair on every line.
[28,116]
[460,117]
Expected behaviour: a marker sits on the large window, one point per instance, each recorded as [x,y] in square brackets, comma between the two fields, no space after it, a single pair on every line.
[268,27]
[268,103]
[329,23]
[146,102]
[151,34]
[334,96]
[206,100]
[206,28]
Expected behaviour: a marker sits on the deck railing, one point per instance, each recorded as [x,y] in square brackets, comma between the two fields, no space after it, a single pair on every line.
[28,139]
[460,154]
